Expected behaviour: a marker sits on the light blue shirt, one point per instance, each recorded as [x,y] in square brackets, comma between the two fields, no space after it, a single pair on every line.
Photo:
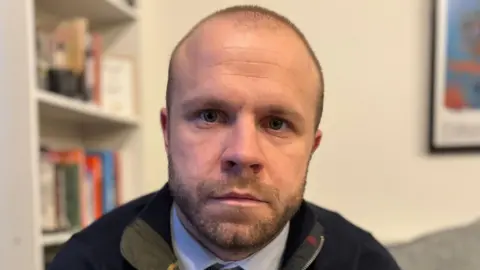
[192,256]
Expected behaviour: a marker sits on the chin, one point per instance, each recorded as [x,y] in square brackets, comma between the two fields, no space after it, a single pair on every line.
[234,228]
[237,214]
[238,237]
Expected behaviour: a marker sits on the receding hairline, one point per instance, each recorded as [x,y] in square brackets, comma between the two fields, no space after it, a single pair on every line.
[249,16]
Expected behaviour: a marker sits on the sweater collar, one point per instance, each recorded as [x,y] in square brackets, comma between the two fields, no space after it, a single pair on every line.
[147,243]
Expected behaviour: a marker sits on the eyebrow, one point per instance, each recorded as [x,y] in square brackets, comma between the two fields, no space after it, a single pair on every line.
[284,112]
[216,102]
[205,101]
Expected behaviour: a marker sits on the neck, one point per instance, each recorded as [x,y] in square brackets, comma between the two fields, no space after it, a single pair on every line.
[219,252]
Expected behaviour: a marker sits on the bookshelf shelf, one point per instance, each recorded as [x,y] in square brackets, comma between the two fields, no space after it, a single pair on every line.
[97,11]
[72,161]
[55,106]
[57,238]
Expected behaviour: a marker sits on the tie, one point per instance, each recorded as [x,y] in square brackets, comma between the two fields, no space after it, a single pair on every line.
[219,266]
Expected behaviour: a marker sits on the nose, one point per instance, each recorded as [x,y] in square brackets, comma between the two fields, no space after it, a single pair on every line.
[243,153]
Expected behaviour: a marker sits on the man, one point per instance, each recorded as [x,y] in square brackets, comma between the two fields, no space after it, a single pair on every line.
[244,101]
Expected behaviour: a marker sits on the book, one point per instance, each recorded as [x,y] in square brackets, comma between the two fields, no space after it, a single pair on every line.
[109,192]
[78,186]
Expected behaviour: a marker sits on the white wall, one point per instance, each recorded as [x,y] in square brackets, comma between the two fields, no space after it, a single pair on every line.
[372,165]
[153,73]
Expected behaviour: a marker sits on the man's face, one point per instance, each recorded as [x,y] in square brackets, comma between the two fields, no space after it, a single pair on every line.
[240,132]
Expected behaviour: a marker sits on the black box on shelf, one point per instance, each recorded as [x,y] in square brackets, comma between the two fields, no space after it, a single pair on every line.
[132,3]
[66,83]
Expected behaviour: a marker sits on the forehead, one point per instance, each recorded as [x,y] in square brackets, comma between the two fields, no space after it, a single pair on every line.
[271,57]
[224,39]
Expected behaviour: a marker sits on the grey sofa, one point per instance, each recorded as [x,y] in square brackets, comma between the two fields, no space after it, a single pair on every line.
[451,249]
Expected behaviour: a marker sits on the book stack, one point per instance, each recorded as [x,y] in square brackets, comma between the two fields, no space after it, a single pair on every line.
[78,186]
[69,58]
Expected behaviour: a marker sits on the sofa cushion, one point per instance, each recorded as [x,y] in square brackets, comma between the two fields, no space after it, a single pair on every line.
[449,249]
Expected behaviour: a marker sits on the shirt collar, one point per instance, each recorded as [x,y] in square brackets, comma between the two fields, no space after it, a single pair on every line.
[146,242]
[191,255]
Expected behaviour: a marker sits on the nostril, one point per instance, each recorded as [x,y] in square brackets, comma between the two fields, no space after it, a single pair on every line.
[256,168]
[228,165]
[238,167]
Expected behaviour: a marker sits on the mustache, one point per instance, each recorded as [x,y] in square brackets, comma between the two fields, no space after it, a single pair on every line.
[252,185]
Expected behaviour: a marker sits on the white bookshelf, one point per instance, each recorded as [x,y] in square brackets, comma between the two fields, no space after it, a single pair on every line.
[98,11]
[54,106]
[33,117]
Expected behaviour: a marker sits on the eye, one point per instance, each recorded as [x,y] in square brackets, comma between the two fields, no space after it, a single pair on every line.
[209,116]
[276,124]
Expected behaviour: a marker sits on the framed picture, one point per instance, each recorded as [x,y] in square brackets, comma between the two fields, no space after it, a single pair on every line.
[455,94]
[119,84]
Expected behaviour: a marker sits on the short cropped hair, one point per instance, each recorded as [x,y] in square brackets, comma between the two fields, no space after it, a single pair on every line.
[250,14]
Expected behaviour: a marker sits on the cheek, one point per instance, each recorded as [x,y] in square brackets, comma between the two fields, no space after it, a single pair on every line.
[195,152]
[287,167]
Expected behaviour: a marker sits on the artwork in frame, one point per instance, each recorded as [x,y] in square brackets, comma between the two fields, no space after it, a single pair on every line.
[119,85]
[455,97]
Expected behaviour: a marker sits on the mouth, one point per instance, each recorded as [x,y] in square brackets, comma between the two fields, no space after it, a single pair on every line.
[238,198]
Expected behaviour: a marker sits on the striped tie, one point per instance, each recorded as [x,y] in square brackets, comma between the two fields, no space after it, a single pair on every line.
[219,266]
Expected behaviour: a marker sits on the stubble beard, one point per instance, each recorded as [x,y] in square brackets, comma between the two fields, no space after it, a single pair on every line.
[231,236]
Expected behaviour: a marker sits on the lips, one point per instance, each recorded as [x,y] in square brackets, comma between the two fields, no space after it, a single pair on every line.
[238,196]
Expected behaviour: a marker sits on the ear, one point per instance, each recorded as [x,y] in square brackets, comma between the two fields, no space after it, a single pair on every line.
[317,140]
[164,123]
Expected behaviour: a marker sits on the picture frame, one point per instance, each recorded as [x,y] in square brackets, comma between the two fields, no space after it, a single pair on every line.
[119,84]
[454,122]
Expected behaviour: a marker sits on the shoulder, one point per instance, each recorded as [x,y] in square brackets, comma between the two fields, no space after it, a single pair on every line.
[337,225]
[352,246]
[110,226]
[99,243]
